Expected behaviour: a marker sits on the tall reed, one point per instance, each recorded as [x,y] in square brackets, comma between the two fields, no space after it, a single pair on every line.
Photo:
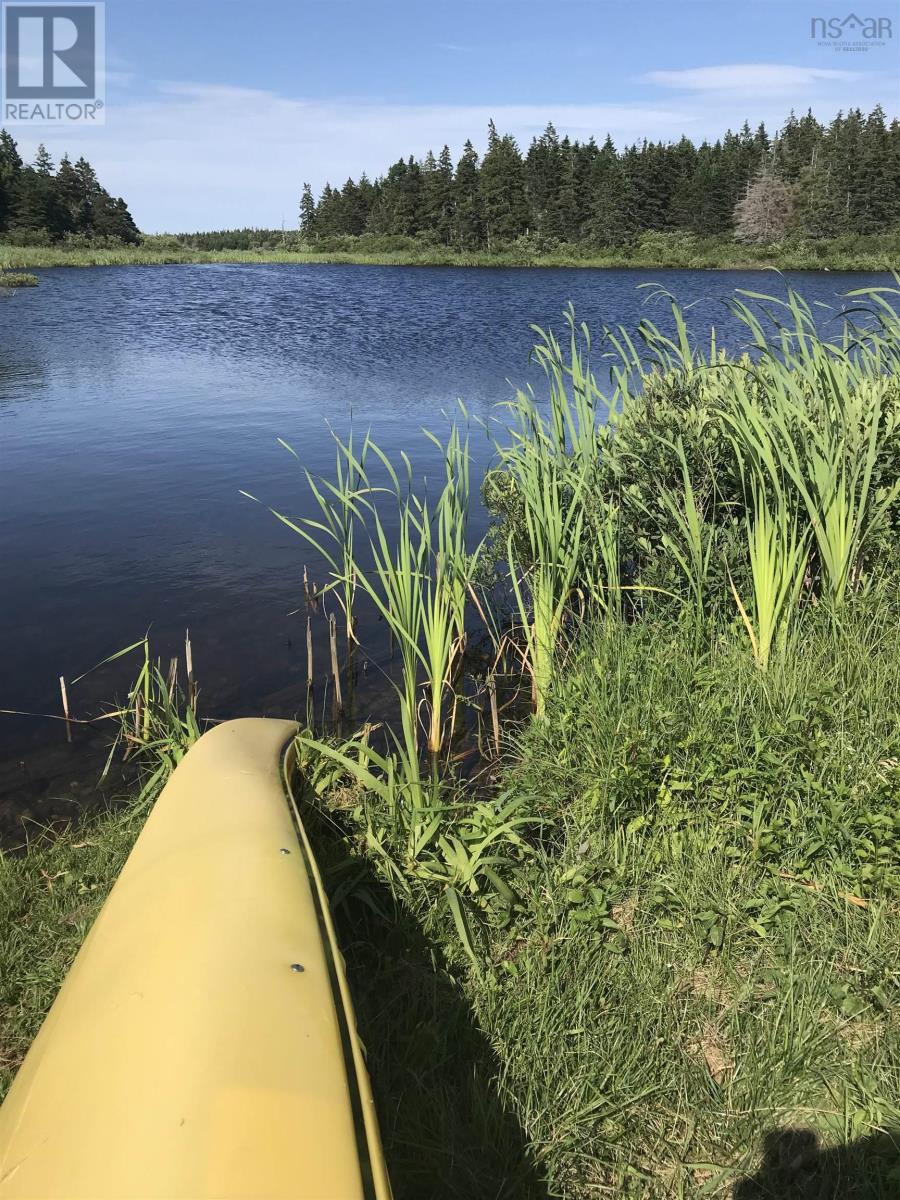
[812,412]
[157,722]
[550,459]
[333,535]
[802,424]
[777,551]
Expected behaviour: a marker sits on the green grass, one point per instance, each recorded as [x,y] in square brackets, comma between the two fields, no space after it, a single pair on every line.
[680,931]
[50,894]
[697,970]
[651,948]
[704,955]
[873,252]
[684,979]
[17,279]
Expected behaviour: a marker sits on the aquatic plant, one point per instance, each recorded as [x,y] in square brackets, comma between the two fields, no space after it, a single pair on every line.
[17,279]
[156,724]
[764,480]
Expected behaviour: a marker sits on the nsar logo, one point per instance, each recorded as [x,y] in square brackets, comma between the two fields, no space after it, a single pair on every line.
[867,29]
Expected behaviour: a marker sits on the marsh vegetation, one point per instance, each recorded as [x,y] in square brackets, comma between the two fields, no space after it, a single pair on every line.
[618,877]
[17,279]
[667,249]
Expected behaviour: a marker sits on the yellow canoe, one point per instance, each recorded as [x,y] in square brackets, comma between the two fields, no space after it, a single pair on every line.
[203,1043]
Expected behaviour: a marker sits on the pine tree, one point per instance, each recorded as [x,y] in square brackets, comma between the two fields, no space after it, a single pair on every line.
[681,186]
[368,194]
[410,200]
[467,201]
[894,173]
[739,161]
[542,181]
[444,192]
[125,223]
[354,213]
[631,203]
[797,147]
[49,205]
[70,197]
[653,179]
[607,225]
[328,214]
[111,220]
[707,200]
[762,144]
[566,215]
[10,172]
[585,157]
[877,203]
[398,209]
[807,181]
[102,216]
[307,212]
[91,195]
[437,195]
[35,207]
[814,209]
[43,163]
[847,187]
[501,188]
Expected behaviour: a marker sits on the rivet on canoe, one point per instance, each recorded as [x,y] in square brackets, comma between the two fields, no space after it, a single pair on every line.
[297,967]
[284,850]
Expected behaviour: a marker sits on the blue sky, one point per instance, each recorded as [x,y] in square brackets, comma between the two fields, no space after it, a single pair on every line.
[218,110]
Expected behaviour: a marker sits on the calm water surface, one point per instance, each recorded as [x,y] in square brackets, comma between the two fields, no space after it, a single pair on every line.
[135,403]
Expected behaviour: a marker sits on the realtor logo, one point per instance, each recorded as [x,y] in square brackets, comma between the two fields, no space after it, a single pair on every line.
[53,64]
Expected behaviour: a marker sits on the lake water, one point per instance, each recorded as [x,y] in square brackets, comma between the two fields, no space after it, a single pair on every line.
[136,403]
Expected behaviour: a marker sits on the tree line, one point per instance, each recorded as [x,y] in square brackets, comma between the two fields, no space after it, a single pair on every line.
[808,180]
[41,203]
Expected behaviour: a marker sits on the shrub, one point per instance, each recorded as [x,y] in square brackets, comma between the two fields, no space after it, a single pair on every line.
[810,424]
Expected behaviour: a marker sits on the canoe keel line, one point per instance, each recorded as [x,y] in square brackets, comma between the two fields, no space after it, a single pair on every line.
[203,1043]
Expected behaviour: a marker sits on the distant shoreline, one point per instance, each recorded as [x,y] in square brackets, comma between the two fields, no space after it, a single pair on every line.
[857,254]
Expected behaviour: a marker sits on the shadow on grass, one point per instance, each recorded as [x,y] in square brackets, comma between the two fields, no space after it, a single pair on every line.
[446,1134]
[796,1167]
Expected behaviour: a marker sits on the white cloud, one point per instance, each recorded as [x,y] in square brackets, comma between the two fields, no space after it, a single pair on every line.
[754,79]
[191,156]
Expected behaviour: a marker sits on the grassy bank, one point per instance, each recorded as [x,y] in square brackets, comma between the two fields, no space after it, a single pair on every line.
[699,977]
[670,895]
[49,898]
[856,253]
[690,977]
[646,944]
[684,1005]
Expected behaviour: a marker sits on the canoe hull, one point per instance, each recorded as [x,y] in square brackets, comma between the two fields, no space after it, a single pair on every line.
[203,1043]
